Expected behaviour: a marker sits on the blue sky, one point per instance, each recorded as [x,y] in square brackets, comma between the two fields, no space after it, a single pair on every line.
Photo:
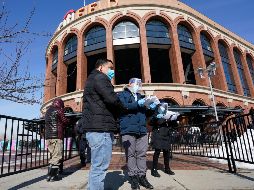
[235,15]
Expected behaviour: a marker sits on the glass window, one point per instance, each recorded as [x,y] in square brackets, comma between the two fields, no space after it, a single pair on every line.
[95,35]
[71,45]
[157,29]
[125,29]
[227,68]
[184,34]
[250,65]
[55,57]
[205,42]
[241,73]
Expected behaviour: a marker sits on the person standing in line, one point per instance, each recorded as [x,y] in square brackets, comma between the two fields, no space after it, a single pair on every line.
[160,139]
[55,122]
[83,145]
[134,133]
[101,106]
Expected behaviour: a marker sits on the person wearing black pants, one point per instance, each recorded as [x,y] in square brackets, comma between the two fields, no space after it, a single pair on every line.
[160,139]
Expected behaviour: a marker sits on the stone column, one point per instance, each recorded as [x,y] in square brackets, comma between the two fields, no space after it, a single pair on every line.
[110,48]
[47,79]
[145,66]
[198,60]
[61,85]
[81,64]
[176,58]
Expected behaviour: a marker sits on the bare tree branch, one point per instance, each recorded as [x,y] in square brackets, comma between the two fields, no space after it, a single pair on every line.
[16,82]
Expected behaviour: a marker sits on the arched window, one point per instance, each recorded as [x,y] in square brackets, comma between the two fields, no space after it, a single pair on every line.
[198,103]
[126,41]
[207,48]
[55,61]
[126,32]
[157,33]
[158,42]
[187,48]
[250,65]
[227,68]
[241,72]
[171,102]
[95,39]
[185,37]
[70,49]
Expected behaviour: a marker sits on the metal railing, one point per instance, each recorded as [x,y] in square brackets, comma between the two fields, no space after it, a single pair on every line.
[23,145]
[238,136]
[232,141]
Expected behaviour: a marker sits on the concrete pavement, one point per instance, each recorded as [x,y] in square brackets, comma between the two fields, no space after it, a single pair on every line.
[204,175]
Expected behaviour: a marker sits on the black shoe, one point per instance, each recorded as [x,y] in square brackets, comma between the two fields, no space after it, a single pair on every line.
[155,173]
[134,182]
[169,171]
[49,172]
[54,174]
[143,181]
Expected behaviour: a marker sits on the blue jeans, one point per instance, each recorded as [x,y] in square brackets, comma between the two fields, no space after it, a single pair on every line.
[101,152]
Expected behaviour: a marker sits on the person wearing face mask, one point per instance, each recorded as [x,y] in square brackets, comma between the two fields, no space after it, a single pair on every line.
[101,106]
[161,138]
[134,133]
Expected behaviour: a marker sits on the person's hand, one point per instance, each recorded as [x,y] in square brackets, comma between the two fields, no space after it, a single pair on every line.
[159,116]
[141,102]
[153,106]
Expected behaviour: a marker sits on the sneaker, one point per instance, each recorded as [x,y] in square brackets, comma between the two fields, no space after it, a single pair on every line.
[169,171]
[144,182]
[134,183]
[155,173]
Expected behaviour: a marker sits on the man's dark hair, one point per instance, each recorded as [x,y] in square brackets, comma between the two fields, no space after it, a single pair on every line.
[100,62]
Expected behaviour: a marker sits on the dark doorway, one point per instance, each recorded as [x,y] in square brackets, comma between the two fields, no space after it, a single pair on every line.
[91,60]
[160,65]
[71,77]
[188,68]
[127,64]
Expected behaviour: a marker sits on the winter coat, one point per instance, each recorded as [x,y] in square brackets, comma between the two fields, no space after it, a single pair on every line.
[101,104]
[55,122]
[133,121]
[161,133]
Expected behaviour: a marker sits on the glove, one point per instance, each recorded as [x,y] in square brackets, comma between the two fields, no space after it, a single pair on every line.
[141,102]
[159,116]
[153,106]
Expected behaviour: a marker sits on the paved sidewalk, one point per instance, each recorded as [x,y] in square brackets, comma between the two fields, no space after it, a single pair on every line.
[192,173]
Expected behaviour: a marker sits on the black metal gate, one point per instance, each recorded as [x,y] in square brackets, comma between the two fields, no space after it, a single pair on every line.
[23,145]
[231,141]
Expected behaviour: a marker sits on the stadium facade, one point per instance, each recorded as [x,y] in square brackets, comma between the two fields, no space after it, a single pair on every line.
[163,42]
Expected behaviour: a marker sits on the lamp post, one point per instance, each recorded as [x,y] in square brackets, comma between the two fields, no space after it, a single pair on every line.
[210,70]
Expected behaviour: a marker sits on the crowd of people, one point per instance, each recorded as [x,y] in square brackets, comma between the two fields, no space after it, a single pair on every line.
[104,114]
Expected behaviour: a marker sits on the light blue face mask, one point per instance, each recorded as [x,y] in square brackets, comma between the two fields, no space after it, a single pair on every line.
[111,74]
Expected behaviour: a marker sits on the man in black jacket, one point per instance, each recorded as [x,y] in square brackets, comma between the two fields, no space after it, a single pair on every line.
[100,107]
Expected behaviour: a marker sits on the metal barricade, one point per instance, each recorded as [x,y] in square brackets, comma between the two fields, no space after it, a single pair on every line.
[23,145]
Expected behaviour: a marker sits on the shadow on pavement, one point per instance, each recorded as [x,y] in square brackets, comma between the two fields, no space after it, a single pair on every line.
[114,180]
[68,171]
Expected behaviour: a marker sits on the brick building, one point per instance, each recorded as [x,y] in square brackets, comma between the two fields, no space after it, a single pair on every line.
[163,42]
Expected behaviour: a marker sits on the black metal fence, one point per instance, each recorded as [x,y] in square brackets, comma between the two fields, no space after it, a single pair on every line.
[232,141]
[23,145]
[238,134]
